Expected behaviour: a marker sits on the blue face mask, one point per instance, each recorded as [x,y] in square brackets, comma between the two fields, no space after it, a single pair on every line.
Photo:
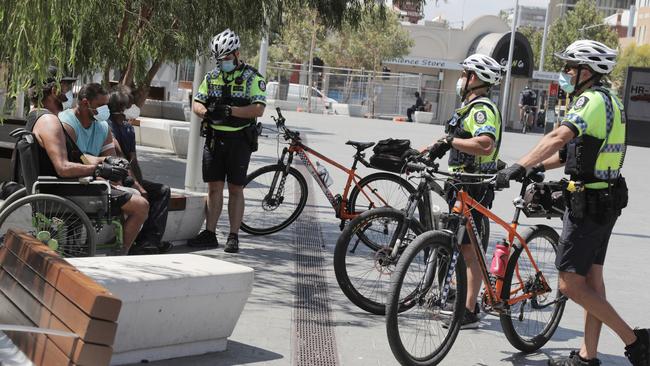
[565,83]
[103,113]
[228,65]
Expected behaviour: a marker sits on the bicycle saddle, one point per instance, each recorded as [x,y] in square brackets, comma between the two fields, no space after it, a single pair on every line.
[360,145]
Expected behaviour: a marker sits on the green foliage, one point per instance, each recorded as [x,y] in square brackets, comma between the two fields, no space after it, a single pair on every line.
[582,22]
[633,55]
[135,37]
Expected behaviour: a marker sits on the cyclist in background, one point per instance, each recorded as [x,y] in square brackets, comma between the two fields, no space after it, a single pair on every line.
[527,98]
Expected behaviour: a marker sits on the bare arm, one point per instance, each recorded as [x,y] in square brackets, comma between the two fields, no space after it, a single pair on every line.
[135,166]
[250,111]
[50,135]
[199,109]
[547,147]
[480,145]
[110,151]
[553,162]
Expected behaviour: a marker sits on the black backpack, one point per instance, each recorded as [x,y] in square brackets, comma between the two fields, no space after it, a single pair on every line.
[389,154]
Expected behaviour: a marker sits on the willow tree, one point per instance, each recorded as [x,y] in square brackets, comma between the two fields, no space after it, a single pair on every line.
[135,37]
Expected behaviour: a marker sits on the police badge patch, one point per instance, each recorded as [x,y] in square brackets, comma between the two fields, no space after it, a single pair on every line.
[581,102]
[480,117]
[262,85]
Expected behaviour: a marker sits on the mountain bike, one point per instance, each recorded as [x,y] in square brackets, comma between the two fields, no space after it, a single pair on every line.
[526,298]
[276,194]
[369,247]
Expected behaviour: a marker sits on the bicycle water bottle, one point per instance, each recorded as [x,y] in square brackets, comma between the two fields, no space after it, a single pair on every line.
[324,175]
[500,259]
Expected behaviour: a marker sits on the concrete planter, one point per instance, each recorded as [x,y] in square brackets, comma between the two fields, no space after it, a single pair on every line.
[352,110]
[173,305]
[180,140]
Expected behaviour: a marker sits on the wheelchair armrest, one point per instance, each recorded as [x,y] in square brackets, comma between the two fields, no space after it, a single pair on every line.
[49,179]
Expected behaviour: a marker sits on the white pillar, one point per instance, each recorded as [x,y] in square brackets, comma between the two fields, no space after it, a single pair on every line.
[195,148]
[506,86]
[264,51]
[630,21]
[543,50]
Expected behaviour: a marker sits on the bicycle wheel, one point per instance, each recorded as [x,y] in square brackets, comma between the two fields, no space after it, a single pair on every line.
[414,321]
[362,256]
[270,211]
[378,190]
[69,228]
[530,323]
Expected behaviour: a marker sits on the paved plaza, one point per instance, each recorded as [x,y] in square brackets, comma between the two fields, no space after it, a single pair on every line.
[267,332]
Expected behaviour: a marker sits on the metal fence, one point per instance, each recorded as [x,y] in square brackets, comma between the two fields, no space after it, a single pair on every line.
[367,93]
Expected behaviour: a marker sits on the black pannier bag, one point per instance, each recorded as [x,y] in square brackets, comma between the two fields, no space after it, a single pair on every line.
[389,154]
[545,199]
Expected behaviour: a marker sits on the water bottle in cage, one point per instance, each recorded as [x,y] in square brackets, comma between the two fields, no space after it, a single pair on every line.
[324,174]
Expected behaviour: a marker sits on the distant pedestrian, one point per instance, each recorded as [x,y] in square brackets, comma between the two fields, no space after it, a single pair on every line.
[418,106]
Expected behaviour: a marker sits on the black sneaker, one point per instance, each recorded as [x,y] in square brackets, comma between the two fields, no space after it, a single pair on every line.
[143,249]
[232,245]
[639,352]
[574,359]
[470,321]
[165,247]
[206,239]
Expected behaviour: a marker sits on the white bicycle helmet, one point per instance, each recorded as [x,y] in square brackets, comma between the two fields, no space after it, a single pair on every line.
[224,43]
[485,67]
[596,55]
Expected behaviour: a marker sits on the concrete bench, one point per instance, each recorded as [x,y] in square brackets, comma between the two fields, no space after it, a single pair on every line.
[40,289]
[423,117]
[173,305]
[156,132]
[186,215]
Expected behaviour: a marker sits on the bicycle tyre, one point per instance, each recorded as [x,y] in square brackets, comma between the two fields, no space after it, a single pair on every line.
[62,211]
[535,341]
[365,250]
[249,220]
[399,194]
[437,242]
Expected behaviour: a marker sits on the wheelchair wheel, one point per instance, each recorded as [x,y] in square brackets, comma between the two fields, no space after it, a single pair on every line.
[13,197]
[55,220]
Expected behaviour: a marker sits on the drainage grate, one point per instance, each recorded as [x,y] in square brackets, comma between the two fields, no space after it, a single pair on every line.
[315,342]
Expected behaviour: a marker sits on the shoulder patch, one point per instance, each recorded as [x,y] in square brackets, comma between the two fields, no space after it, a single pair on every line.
[480,117]
[262,85]
[580,103]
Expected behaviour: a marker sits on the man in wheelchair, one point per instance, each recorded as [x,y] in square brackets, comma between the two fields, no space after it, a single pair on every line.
[58,154]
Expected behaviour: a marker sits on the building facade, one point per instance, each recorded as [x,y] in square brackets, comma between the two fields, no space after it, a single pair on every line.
[642,22]
[529,16]
[607,7]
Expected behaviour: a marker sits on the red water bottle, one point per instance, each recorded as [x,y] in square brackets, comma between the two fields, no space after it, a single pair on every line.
[500,259]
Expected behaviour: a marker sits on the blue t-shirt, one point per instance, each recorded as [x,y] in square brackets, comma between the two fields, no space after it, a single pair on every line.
[125,136]
[89,140]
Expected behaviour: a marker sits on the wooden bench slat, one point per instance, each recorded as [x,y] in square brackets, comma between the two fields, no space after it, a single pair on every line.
[177,202]
[81,290]
[37,347]
[90,330]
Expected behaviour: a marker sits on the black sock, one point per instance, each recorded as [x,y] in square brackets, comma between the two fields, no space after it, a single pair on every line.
[234,236]
[634,344]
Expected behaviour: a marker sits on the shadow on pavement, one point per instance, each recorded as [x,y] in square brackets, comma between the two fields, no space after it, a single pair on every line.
[541,357]
[236,354]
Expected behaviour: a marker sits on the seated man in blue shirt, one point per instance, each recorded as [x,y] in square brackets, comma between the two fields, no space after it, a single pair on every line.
[87,127]
[123,109]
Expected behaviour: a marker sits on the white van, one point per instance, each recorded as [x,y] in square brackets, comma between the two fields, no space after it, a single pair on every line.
[297,96]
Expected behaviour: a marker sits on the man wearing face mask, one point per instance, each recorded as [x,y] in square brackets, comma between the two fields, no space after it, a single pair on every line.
[59,156]
[229,99]
[474,137]
[590,144]
[123,109]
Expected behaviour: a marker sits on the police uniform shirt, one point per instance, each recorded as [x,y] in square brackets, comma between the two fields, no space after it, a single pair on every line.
[251,86]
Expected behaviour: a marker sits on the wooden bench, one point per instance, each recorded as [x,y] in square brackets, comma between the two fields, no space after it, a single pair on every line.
[40,289]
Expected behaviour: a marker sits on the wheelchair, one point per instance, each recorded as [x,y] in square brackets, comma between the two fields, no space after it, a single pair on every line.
[65,214]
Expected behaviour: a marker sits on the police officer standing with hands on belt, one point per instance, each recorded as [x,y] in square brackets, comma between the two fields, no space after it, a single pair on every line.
[229,100]
[590,144]
[474,137]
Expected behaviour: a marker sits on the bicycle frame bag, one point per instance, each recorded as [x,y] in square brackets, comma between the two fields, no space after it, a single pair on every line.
[544,199]
[387,162]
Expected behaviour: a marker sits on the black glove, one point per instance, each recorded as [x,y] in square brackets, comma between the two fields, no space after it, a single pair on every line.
[110,172]
[119,162]
[218,112]
[536,173]
[440,148]
[513,172]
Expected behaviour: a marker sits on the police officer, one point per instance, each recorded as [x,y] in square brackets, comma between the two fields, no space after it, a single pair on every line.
[590,143]
[229,99]
[474,137]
